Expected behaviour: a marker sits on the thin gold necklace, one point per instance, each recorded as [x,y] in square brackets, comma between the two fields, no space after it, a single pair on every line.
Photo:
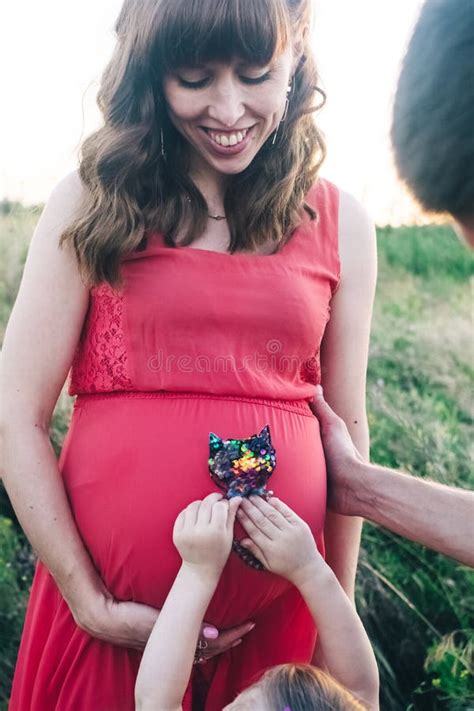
[218,218]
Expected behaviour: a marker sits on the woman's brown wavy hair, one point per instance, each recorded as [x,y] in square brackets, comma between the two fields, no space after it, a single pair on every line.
[301,687]
[130,188]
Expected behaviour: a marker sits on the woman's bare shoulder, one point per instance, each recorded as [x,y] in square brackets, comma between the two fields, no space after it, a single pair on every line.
[48,312]
[66,197]
[353,215]
[63,206]
[357,236]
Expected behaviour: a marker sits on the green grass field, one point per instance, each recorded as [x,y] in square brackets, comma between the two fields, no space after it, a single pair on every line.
[417,606]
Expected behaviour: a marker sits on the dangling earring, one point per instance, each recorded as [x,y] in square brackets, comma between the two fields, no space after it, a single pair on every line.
[285,112]
[162,142]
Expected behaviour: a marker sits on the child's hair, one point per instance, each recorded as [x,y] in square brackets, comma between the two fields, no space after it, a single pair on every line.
[301,687]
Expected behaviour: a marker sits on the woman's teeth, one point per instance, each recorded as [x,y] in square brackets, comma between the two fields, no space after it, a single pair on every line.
[228,139]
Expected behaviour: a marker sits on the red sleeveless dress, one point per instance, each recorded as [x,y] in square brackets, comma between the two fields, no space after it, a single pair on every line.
[195,342]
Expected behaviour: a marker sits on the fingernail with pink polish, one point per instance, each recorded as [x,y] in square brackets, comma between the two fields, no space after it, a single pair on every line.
[210,633]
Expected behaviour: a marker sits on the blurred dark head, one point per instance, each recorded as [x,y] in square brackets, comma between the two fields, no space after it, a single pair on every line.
[433,120]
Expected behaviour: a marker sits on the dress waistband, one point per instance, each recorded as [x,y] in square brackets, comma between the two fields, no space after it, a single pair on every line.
[300,407]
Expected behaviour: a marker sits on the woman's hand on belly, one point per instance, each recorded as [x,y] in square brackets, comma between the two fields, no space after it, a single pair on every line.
[129,624]
[126,624]
[226,640]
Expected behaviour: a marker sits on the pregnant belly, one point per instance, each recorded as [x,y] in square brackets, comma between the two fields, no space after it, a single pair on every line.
[132,462]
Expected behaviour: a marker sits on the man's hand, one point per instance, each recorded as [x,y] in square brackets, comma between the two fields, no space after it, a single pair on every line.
[342,458]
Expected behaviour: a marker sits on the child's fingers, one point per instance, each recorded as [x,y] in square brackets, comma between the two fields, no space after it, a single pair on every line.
[284,509]
[270,512]
[234,504]
[263,515]
[223,512]
[205,510]
[191,513]
[212,498]
[219,514]
[179,523]
[247,515]
[258,536]
[255,550]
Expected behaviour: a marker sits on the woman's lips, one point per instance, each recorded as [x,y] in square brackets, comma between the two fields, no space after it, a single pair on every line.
[227,150]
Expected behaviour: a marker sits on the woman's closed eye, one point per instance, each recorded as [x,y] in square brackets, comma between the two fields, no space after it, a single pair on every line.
[202,83]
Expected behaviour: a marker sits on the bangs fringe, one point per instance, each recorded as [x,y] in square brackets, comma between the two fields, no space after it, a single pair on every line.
[193,32]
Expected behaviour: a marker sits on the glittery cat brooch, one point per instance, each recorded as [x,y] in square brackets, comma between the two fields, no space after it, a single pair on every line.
[242,467]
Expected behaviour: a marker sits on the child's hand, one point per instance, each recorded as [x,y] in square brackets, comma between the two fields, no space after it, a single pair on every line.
[279,538]
[203,532]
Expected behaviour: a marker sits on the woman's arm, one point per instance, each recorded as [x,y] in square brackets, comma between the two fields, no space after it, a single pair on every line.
[344,355]
[40,339]
[39,345]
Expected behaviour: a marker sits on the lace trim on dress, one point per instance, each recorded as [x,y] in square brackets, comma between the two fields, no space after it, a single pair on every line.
[311,370]
[100,361]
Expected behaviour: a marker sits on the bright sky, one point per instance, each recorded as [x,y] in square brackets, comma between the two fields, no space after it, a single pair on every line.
[53,52]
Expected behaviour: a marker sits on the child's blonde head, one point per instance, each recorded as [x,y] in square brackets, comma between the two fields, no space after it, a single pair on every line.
[296,687]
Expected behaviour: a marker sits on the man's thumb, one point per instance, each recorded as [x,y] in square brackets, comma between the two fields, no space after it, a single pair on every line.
[318,404]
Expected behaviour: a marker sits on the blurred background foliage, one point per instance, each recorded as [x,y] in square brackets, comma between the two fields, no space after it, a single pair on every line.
[417,605]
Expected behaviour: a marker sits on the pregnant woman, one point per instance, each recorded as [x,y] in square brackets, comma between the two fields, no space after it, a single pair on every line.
[183,279]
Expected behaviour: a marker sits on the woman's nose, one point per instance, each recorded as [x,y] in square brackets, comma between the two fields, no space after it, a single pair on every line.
[227,106]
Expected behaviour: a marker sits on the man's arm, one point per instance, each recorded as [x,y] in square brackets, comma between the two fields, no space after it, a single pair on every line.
[437,516]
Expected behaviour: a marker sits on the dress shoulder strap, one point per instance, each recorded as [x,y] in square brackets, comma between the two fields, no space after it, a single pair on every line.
[323,240]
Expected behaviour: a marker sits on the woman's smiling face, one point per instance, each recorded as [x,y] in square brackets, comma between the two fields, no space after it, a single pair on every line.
[226,111]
